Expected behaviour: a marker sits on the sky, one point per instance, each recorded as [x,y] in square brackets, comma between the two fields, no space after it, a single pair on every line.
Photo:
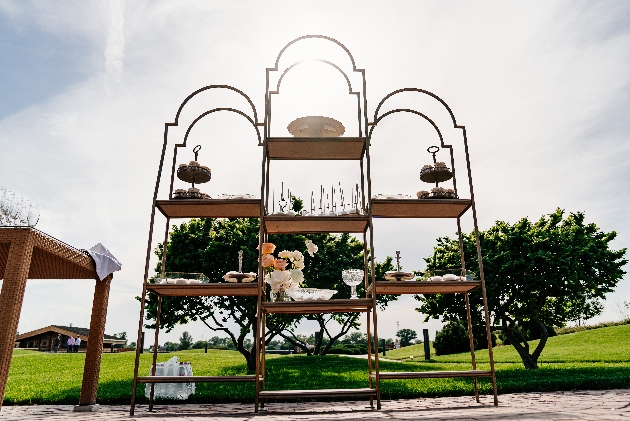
[542,88]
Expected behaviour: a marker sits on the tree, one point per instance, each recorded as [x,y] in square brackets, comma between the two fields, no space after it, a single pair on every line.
[406,336]
[537,274]
[121,335]
[185,341]
[170,346]
[199,345]
[210,246]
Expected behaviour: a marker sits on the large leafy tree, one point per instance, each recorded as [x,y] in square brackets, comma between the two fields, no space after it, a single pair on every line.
[538,274]
[211,246]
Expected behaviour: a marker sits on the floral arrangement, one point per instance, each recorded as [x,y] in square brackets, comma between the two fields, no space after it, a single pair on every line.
[278,274]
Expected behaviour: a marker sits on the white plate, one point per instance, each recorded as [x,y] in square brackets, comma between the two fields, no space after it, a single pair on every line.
[316,126]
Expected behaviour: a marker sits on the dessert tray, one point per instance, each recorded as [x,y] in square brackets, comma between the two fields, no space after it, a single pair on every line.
[436,173]
[316,126]
[183,278]
[310,294]
[239,277]
[194,173]
[394,275]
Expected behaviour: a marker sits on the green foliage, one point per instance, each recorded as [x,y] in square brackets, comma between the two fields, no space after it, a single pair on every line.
[170,346]
[199,345]
[354,338]
[548,272]
[406,336]
[349,349]
[452,339]
[185,341]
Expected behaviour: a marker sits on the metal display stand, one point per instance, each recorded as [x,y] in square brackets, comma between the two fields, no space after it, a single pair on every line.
[315,148]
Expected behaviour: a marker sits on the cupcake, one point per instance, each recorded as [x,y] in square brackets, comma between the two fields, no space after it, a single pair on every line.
[426,168]
[437,192]
[423,194]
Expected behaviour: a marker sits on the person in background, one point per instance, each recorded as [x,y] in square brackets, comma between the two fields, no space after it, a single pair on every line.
[70,343]
[56,343]
[396,344]
[77,342]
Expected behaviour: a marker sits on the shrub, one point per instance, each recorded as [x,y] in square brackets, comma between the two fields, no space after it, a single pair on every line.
[452,339]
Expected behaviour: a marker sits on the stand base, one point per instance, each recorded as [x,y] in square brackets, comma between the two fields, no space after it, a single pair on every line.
[87,408]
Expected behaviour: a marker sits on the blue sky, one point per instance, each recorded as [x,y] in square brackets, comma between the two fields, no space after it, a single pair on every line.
[85,88]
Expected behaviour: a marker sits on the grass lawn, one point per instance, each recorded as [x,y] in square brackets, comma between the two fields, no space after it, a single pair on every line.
[594,359]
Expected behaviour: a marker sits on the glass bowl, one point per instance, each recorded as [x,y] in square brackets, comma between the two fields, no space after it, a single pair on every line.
[310,294]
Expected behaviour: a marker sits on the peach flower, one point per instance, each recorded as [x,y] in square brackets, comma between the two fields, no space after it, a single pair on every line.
[280,264]
[268,260]
[268,248]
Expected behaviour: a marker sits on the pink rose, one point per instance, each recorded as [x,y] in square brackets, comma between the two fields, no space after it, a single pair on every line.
[280,264]
[268,260]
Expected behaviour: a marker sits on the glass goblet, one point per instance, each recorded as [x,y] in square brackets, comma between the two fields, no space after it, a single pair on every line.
[33,215]
[352,278]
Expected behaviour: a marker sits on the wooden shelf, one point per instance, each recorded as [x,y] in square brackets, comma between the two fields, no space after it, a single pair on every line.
[209,208]
[425,287]
[419,208]
[282,224]
[321,393]
[205,290]
[360,305]
[311,148]
[431,374]
[195,379]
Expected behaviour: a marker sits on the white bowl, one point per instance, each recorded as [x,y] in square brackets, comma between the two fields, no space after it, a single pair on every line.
[310,294]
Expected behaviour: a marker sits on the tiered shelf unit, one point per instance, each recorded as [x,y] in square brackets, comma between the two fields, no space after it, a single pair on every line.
[174,208]
[345,148]
[453,208]
[349,148]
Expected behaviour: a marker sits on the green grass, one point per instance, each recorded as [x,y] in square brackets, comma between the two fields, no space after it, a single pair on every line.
[594,359]
[609,344]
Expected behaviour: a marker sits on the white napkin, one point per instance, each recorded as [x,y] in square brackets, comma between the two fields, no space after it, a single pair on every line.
[106,263]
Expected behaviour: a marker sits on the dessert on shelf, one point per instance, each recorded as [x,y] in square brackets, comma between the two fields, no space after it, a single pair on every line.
[316,126]
[181,278]
[193,173]
[240,277]
[398,275]
[436,173]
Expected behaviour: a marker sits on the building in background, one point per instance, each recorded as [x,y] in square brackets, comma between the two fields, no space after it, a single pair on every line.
[42,339]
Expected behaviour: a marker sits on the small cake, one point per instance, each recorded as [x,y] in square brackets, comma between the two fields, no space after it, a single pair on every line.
[193,163]
[423,194]
[450,193]
[426,168]
[437,192]
[179,193]
[440,166]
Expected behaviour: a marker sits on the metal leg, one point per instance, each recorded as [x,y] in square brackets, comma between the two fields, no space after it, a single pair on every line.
[155,351]
[472,346]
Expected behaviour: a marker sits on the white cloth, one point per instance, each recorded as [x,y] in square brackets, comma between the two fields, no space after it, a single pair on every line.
[106,263]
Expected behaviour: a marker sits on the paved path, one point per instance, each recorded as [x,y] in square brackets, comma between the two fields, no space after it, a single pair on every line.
[584,405]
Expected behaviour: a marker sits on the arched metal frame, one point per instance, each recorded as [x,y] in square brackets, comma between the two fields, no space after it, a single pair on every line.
[364,127]
[362,120]
[377,119]
[175,123]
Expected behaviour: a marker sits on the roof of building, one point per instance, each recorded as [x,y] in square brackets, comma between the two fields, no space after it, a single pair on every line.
[68,331]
